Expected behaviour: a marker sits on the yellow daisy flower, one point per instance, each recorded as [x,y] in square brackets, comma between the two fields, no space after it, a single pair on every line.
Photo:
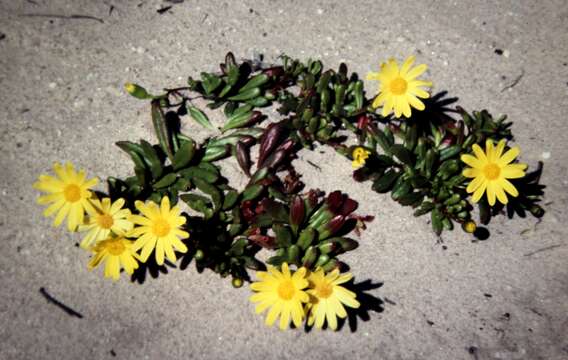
[159,230]
[399,88]
[116,253]
[327,298]
[68,194]
[360,155]
[104,217]
[490,171]
[283,292]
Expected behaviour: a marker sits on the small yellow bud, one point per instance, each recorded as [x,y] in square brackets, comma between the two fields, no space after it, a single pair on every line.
[137,91]
[237,283]
[469,226]
[130,88]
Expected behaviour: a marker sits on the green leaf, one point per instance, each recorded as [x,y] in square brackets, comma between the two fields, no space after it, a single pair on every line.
[200,117]
[425,208]
[385,182]
[210,190]
[231,198]
[283,235]
[213,153]
[152,159]
[210,82]
[246,95]
[293,255]
[412,199]
[255,81]
[203,174]
[166,181]
[400,188]
[184,155]
[449,152]
[437,225]
[252,192]
[161,129]
[411,137]
[402,154]
[135,152]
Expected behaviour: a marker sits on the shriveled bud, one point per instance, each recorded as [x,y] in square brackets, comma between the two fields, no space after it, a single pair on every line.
[297,212]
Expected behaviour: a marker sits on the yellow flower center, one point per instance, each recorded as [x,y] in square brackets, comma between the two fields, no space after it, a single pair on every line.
[491,171]
[115,247]
[324,290]
[105,221]
[286,290]
[161,227]
[72,193]
[398,86]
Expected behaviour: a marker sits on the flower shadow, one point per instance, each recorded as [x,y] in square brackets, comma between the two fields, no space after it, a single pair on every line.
[151,268]
[369,303]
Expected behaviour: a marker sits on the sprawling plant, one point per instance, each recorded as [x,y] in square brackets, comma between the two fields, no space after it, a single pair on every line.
[426,154]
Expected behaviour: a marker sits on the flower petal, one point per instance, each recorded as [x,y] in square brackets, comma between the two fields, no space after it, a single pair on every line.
[508,187]
[416,72]
[509,156]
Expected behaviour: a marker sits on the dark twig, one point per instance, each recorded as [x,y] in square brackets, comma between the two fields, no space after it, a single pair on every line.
[544,249]
[314,165]
[164,9]
[74,16]
[58,303]
[515,82]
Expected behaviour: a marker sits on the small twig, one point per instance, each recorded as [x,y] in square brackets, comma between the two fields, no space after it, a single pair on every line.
[515,82]
[74,16]
[544,249]
[58,303]
[314,165]
[164,9]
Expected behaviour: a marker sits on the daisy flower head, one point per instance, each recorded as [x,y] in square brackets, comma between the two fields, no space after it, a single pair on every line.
[116,253]
[327,298]
[283,292]
[399,87]
[68,194]
[159,230]
[490,171]
[360,155]
[103,218]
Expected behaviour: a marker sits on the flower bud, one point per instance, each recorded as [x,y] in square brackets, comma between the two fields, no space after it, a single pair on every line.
[199,255]
[469,226]
[137,91]
[237,283]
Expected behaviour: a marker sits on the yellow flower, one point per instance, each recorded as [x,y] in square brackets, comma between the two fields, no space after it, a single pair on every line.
[116,253]
[490,170]
[327,298]
[103,218]
[399,89]
[283,292]
[360,155]
[68,194]
[159,230]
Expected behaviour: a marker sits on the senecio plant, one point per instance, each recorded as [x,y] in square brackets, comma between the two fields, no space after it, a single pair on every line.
[434,158]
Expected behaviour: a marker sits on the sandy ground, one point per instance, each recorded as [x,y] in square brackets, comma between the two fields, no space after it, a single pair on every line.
[449,298]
